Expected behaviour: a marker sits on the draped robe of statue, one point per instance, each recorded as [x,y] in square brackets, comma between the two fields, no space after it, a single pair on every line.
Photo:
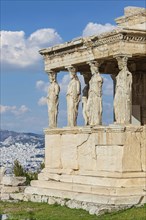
[123,96]
[53,93]
[73,99]
[84,104]
[94,103]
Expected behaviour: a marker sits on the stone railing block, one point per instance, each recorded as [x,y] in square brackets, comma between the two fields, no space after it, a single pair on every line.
[13,181]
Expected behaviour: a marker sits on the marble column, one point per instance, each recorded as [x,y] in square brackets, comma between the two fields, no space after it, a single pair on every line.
[53,99]
[123,92]
[87,77]
[73,97]
[94,103]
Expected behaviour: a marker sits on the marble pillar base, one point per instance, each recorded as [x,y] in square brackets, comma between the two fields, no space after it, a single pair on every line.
[100,165]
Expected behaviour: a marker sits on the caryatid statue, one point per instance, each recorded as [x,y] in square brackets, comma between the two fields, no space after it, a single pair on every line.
[87,77]
[94,103]
[73,97]
[123,93]
[53,95]
[84,104]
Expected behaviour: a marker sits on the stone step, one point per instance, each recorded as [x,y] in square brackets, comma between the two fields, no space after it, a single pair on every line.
[95,181]
[86,197]
[83,188]
[111,174]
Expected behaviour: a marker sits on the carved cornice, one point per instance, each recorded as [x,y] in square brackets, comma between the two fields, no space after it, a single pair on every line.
[89,43]
[127,37]
[61,53]
[89,129]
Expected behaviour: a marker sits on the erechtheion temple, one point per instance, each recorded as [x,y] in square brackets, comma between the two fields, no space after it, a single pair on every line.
[97,165]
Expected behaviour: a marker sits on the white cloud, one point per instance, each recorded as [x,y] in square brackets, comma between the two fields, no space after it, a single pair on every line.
[13,109]
[64,83]
[96,29]
[42,37]
[42,101]
[22,109]
[19,51]
[27,123]
[41,85]
[5,108]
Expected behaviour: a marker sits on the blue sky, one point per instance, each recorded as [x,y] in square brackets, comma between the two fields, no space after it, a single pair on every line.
[26,27]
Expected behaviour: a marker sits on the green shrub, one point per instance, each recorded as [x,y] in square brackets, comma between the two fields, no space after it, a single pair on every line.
[30,176]
[18,170]
[42,166]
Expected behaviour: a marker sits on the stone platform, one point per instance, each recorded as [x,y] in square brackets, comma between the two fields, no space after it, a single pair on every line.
[100,165]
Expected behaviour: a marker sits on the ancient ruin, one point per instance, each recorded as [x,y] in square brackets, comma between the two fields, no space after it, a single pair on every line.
[97,166]
[95,163]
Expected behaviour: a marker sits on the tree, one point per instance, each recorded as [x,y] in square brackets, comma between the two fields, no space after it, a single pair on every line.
[18,169]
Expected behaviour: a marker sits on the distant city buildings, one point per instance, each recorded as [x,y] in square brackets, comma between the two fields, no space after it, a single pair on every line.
[27,149]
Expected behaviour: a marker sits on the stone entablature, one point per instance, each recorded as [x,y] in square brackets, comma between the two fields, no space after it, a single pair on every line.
[105,46]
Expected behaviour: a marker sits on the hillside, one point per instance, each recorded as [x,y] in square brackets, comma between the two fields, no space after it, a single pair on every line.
[28,148]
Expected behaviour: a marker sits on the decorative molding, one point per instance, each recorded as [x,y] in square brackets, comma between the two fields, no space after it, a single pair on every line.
[92,42]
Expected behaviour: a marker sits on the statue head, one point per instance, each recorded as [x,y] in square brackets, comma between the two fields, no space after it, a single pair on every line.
[94,67]
[52,76]
[122,61]
[72,71]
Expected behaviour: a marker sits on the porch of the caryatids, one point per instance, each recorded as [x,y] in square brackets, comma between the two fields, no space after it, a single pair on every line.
[94,103]
[53,99]
[73,97]
[123,92]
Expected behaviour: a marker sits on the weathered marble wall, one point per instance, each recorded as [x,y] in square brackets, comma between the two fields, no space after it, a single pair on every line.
[97,165]
[112,149]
